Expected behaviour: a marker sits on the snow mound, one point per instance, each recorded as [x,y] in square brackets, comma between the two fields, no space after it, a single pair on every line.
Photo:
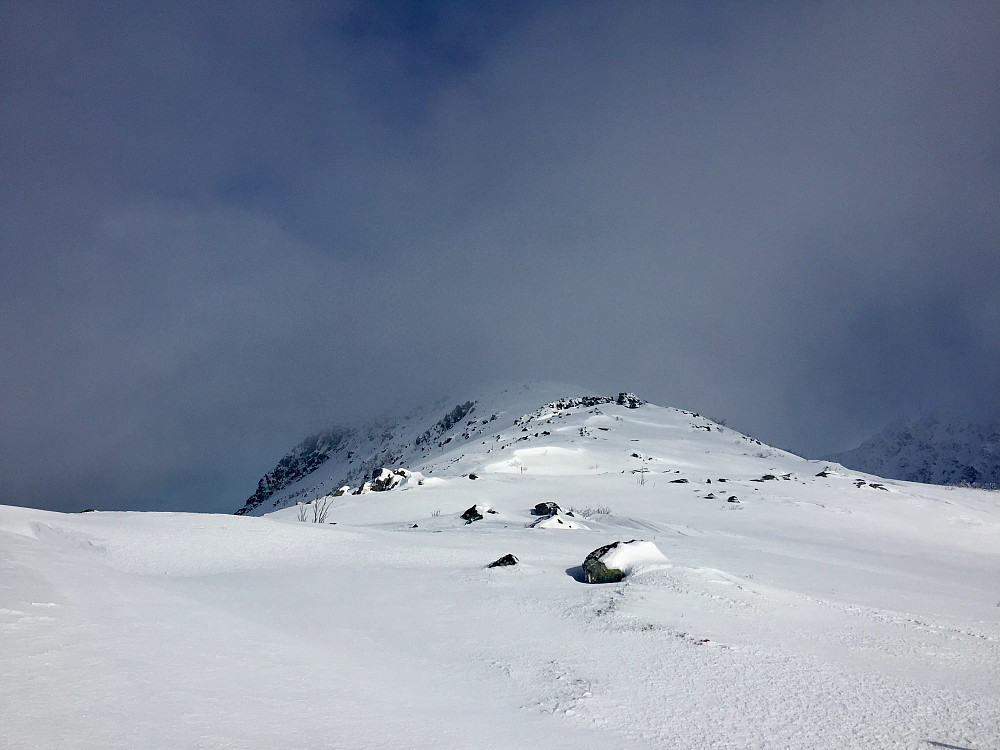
[629,556]
[615,561]
[557,521]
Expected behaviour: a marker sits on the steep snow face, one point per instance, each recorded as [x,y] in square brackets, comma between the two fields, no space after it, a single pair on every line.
[937,449]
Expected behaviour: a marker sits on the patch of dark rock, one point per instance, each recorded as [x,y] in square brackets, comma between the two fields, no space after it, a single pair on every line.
[876,486]
[473,476]
[546,509]
[629,400]
[823,474]
[596,571]
[503,562]
[678,481]
[414,526]
[472,514]
[636,455]
[710,496]
[732,499]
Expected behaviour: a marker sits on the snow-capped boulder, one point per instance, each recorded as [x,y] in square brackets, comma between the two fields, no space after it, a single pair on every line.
[383,480]
[612,562]
[503,562]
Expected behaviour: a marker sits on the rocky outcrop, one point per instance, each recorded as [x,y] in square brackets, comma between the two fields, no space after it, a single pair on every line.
[476,513]
[596,571]
[302,460]
[449,420]
[629,400]
[612,562]
[503,562]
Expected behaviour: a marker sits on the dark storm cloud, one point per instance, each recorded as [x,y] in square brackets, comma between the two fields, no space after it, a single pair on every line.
[225,226]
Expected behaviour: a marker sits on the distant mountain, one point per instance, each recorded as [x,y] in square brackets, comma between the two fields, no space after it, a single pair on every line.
[935,449]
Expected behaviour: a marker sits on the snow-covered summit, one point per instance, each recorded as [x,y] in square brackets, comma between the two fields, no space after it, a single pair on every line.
[538,428]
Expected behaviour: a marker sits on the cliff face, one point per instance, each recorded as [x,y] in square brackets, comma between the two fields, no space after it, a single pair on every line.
[936,449]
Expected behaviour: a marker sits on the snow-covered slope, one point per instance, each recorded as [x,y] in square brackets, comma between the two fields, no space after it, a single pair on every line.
[495,432]
[935,449]
[771,602]
[348,456]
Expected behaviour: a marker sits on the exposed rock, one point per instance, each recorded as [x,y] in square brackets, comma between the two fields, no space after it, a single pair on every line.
[475,513]
[303,459]
[546,509]
[612,562]
[596,571]
[447,422]
[503,562]
[629,400]
[732,499]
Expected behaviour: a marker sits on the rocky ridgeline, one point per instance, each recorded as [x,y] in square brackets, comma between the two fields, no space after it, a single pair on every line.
[628,400]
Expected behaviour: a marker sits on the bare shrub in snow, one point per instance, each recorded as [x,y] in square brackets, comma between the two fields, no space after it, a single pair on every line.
[303,512]
[590,512]
[322,508]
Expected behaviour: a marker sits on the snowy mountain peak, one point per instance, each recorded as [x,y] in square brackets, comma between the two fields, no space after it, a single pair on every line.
[939,448]
[514,430]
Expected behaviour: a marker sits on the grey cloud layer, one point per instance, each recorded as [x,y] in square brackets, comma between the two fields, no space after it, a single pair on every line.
[224,230]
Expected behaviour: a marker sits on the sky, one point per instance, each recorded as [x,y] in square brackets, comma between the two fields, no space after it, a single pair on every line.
[225,226]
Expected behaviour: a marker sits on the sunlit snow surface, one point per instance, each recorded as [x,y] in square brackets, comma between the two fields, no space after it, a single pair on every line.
[815,612]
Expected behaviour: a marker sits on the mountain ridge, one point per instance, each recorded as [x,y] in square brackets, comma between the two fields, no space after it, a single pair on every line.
[939,448]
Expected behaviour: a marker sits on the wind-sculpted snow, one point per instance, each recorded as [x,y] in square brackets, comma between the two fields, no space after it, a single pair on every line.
[822,609]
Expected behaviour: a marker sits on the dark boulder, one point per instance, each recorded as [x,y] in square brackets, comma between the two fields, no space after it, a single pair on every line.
[546,509]
[596,571]
[503,562]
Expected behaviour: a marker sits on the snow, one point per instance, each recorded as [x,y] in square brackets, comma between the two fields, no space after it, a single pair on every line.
[816,613]
[558,521]
[630,556]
